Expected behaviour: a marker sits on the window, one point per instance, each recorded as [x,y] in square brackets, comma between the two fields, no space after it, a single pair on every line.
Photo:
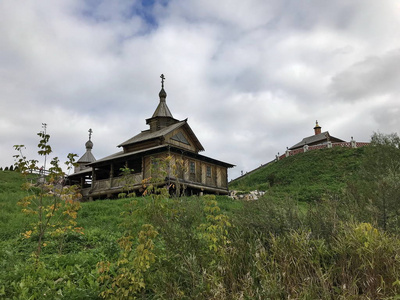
[192,167]
[180,138]
[208,171]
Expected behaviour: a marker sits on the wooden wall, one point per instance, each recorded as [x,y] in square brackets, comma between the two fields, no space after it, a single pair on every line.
[218,174]
[170,141]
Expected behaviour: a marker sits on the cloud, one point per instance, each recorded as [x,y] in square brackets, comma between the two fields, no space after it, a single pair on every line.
[376,75]
[252,77]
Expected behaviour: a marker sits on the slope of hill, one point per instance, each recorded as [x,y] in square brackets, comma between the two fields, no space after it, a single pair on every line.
[307,175]
[157,247]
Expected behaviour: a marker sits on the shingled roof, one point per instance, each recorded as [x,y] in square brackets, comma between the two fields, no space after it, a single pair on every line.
[318,138]
[149,135]
[162,109]
[322,137]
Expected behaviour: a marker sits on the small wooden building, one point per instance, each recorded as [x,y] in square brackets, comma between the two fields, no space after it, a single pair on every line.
[318,138]
[169,144]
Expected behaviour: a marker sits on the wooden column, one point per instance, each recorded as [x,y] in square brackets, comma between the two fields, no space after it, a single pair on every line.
[111,174]
[93,176]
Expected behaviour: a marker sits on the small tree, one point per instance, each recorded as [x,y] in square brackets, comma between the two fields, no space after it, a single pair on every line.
[128,182]
[54,205]
[378,190]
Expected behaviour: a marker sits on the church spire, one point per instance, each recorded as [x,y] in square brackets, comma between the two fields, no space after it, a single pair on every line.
[162,109]
[162,116]
[162,93]
[88,156]
[89,143]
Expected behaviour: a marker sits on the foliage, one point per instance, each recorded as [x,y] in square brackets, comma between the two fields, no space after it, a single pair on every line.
[128,182]
[125,278]
[377,188]
[306,176]
[161,247]
[215,229]
[276,250]
[381,139]
[367,261]
[159,172]
[54,205]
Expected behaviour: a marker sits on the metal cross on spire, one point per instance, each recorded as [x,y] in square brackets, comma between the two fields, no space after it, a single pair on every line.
[162,80]
[90,133]
[44,126]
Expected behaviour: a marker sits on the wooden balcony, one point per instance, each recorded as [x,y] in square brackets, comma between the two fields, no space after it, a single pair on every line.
[111,186]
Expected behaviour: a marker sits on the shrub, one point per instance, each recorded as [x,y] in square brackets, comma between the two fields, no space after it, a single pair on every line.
[366,262]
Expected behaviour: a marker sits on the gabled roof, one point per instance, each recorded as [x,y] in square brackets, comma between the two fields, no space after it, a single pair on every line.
[321,137]
[122,155]
[148,135]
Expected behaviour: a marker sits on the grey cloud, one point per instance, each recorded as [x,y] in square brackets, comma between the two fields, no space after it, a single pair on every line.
[388,116]
[252,77]
[374,76]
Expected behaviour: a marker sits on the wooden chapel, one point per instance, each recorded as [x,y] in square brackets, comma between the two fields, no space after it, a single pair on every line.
[168,140]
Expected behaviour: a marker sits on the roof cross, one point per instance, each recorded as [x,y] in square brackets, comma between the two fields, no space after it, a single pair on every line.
[90,133]
[44,126]
[162,80]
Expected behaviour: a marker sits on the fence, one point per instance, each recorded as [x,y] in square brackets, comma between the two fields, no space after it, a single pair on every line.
[352,144]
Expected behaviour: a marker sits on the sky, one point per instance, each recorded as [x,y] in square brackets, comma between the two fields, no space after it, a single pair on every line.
[252,77]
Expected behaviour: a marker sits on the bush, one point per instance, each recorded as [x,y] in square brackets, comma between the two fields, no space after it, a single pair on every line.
[366,262]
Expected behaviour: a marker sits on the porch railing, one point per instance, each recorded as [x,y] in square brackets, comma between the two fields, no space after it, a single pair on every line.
[117,182]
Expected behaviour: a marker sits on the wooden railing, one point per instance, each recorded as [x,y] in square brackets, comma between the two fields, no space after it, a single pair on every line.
[101,184]
[116,182]
[136,179]
[322,146]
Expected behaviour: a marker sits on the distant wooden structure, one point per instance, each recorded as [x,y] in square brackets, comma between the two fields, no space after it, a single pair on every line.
[166,139]
[86,158]
[318,138]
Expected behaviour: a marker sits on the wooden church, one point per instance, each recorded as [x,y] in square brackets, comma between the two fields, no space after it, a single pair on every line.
[169,141]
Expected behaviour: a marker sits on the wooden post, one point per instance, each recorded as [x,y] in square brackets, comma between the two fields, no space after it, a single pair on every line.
[93,177]
[111,174]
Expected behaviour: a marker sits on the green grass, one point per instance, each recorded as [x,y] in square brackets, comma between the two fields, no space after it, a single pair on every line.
[305,239]
[12,221]
[307,176]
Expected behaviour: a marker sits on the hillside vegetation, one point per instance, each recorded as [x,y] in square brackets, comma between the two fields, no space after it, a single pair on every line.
[307,176]
[327,228]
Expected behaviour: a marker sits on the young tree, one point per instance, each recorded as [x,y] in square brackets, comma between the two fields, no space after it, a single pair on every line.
[378,190]
[54,204]
[128,182]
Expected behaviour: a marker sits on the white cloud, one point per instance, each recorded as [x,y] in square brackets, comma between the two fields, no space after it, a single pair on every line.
[251,77]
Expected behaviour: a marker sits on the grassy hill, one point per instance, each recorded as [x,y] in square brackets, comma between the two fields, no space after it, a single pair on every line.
[284,245]
[306,176]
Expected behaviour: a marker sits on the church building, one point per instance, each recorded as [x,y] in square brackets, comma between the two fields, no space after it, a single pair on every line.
[169,144]
[319,138]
